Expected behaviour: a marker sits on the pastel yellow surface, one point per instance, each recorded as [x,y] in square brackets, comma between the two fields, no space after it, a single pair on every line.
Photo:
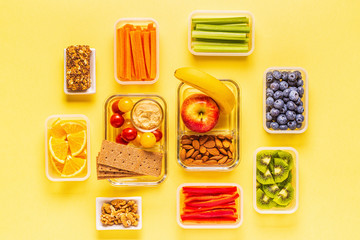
[320,36]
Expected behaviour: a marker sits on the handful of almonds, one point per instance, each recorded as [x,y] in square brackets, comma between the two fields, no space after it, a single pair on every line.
[206,149]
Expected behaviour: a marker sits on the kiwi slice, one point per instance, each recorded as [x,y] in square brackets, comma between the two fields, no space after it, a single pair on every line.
[264,178]
[281,170]
[258,185]
[285,195]
[263,159]
[271,190]
[263,200]
[287,157]
[286,181]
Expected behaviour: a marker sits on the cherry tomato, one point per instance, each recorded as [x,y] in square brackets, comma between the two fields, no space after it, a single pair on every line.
[148,140]
[136,142]
[115,107]
[116,120]
[129,134]
[125,104]
[120,139]
[127,124]
[158,134]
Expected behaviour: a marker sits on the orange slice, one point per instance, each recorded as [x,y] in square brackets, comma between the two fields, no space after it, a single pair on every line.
[73,166]
[83,154]
[77,142]
[58,166]
[56,130]
[73,127]
[58,148]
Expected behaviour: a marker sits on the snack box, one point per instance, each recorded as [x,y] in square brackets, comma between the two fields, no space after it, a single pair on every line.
[222,13]
[161,146]
[180,204]
[99,203]
[50,170]
[92,88]
[293,206]
[228,125]
[143,22]
[305,99]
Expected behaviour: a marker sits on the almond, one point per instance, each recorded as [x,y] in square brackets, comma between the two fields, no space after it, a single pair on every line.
[218,143]
[222,137]
[217,157]
[202,149]
[229,137]
[213,151]
[197,162]
[194,137]
[189,153]
[187,147]
[231,148]
[188,161]
[204,158]
[223,151]
[229,160]
[209,144]
[211,162]
[229,154]
[185,137]
[207,153]
[186,141]
[196,144]
[182,154]
[223,160]
[198,157]
[226,143]
[203,139]
[195,154]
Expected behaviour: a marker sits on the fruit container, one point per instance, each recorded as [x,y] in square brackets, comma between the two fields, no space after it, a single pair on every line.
[222,13]
[92,88]
[99,203]
[111,133]
[51,172]
[143,22]
[305,100]
[294,204]
[228,125]
[196,225]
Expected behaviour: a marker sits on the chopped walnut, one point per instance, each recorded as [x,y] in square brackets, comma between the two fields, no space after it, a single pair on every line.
[120,212]
[78,67]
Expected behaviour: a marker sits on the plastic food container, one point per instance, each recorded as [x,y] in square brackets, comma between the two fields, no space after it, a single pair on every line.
[161,146]
[180,204]
[92,88]
[99,203]
[222,13]
[305,100]
[138,22]
[227,125]
[50,170]
[293,206]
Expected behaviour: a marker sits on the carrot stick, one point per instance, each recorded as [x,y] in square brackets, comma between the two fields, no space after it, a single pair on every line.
[140,55]
[152,54]
[147,51]
[120,53]
[129,66]
[150,26]
[134,45]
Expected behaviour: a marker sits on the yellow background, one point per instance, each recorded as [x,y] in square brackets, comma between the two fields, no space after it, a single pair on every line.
[320,36]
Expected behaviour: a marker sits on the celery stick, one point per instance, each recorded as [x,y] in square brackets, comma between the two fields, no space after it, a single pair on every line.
[228,49]
[246,40]
[220,20]
[218,35]
[229,44]
[222,28]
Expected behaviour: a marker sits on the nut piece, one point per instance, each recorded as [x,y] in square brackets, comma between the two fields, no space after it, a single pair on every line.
[213,151]
[189,153]
[209,144]
[182,154]
[202,149]
[196,144]
[226,143]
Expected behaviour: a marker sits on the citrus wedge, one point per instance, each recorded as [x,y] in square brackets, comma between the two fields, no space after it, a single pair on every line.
[83,154]
[73,127]
[58,166]
[58,148]
[73,166]
[56,130]
[77,142]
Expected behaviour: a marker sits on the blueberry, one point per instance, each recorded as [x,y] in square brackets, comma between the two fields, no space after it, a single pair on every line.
[274,125]
[300,83]
[269,78]
[298,74]
[290,115]
[283,127]
[269,92]
[283,85]
[284,75]
[283,109]
[270,101]
[301,91]
[286,92]
[268,74]
[292,77]
[294,96]
[268,117]
[299,118]
[293,89]
[268,109]
[274,86]
[276,74]
[292,125]
[286,99]
[292,84]
[299,102]
[278,103]
[278,94]
[281,119]
[291,105]
[298,125]
[268,124]
[274,112]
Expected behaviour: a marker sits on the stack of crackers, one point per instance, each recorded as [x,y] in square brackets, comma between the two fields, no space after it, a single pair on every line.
[120,161]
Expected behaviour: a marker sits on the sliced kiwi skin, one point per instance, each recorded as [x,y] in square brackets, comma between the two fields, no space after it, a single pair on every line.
[263,159]
[287,157]
[281,170]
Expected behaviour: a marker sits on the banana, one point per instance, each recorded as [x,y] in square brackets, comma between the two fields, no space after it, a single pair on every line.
[209,85]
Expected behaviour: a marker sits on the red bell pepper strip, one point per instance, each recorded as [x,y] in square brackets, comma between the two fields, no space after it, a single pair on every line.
[209,214]
[223,207]
[209,190]
[220,219]
[205,198]
[211,203]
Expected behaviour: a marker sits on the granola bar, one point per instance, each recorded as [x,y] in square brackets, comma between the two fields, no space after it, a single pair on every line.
[78,67]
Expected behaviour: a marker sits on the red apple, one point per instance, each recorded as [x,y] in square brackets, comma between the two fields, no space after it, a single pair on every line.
[200,113]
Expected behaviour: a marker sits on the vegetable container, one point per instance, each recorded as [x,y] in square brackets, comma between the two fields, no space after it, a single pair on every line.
[305,100]
[101,200]
[180,205]
[227,125]
[143,22]
[222,13]
[50,170]
[293,206]
[92,88]
[161,146]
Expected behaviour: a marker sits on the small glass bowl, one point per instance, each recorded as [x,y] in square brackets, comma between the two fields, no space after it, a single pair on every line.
[142,101]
